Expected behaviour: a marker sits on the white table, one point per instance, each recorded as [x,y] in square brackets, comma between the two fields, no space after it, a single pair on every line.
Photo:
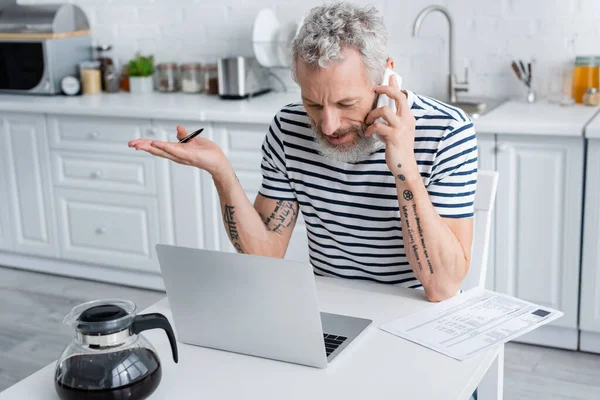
[378,365]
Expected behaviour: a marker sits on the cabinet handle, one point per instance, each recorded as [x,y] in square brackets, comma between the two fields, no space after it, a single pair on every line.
[502,147]
[96,174]
[100,231]
[93,135]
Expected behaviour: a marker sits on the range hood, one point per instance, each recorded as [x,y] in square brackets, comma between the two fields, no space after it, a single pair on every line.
[48,20]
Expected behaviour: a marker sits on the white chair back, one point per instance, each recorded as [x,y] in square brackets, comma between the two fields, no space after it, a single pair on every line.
[485,198]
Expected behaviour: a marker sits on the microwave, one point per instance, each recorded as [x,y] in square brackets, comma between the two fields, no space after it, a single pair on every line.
[39,46]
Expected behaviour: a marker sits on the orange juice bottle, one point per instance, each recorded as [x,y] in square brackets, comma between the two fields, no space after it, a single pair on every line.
[586,74]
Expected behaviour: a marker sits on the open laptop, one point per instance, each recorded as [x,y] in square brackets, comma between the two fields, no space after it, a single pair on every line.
[253,305]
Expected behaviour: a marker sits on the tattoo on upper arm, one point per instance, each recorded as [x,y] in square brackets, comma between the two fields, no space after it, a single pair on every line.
[231,227]
[283,216]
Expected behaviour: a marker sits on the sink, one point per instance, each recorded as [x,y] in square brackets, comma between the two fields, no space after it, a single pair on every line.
[477,107]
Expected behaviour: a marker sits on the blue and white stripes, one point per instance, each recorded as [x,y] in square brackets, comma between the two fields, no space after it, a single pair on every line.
[351,210]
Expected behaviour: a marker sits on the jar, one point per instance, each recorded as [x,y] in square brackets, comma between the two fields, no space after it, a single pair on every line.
[586,75]
[192,79]
[211,79]
[105,58]
[91,81]
[111,79]
[168,77]
[591,97]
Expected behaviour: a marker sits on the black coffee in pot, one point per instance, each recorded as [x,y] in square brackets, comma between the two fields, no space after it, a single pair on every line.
[132,374]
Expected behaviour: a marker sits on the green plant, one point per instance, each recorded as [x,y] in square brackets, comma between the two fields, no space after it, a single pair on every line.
[140,66]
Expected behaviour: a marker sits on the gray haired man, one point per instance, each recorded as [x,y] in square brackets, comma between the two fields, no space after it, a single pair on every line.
[396,209]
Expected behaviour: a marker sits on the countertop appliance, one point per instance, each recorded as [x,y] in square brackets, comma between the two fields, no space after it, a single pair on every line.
[241,77]
[40,45]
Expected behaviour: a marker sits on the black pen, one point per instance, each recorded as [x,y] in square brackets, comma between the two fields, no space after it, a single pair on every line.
[191,136]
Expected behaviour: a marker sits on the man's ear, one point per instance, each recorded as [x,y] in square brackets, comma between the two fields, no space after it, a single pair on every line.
[389,63]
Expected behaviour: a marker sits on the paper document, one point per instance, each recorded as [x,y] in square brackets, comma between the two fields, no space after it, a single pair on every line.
[471,321]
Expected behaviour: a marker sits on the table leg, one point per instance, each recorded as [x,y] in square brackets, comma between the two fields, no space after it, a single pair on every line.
[492,384]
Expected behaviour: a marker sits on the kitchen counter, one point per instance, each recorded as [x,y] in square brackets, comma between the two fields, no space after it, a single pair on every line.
[179,106]
[512,117]
[592,131]
[541,118]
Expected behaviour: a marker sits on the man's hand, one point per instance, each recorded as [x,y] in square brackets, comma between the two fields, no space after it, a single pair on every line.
[399,134]
[198,152]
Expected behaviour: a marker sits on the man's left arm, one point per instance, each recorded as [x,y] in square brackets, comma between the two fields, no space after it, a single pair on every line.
[438,249]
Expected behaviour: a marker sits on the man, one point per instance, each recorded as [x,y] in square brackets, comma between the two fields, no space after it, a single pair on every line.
[394,209]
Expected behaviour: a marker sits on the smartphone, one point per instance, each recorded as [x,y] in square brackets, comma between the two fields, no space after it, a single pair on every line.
[384,100]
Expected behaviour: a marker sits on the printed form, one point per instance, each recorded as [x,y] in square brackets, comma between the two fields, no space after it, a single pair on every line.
[471,321]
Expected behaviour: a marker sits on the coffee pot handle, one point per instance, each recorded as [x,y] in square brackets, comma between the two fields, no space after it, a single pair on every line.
[156,321]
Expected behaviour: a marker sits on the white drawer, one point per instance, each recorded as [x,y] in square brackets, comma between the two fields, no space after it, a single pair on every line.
[104,172]
[117,230]
[95,133]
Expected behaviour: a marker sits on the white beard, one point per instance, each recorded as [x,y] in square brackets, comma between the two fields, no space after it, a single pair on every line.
[354,152]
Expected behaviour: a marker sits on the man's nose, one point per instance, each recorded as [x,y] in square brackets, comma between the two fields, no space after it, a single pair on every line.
[330,123]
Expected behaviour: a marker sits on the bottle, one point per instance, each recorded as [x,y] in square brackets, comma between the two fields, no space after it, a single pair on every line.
[591,97]
[106,61]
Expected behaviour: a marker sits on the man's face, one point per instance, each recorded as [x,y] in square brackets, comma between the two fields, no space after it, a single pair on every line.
[337,100]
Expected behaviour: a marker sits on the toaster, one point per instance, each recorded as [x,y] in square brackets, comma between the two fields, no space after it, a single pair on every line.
[241,77]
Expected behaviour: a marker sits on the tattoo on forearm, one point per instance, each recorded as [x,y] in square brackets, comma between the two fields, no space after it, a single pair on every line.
[420,230]
[401,177]
[411,238]
[283,216]
[238,247]
[399,165]
[231,227]
[408,196]
[229,222]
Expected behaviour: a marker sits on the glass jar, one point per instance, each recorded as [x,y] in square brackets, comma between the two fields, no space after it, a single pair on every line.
[104,56]
[586,75]
[192,79]
[91,81]
[168,77]
[211,79]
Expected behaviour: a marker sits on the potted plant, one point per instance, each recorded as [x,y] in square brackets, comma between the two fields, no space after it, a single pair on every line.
[140,70]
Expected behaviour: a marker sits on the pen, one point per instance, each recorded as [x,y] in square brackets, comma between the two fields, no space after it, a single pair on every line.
[191,136]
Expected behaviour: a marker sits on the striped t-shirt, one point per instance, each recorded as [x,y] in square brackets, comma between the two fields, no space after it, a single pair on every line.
[351,210]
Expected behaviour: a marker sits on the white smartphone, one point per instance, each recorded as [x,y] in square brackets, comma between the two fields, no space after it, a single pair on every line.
[384,100]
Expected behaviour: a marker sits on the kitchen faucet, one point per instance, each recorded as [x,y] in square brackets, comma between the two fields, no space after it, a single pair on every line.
[453,85]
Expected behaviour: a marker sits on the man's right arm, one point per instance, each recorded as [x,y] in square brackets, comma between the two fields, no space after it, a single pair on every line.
[262,229]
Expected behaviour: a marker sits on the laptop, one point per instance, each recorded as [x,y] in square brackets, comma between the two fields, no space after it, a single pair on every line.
[258,306]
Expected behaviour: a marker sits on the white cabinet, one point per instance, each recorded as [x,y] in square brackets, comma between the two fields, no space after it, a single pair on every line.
[538,226]
[23,139]
[486,157]
[589,317]
[5,226]
[111,201]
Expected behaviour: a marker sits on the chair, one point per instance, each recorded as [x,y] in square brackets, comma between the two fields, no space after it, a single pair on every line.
[485,198]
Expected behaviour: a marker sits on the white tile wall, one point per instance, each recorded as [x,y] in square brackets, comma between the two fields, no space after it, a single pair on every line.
[489,33]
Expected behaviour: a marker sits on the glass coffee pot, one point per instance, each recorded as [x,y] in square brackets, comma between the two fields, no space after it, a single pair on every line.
[108,358]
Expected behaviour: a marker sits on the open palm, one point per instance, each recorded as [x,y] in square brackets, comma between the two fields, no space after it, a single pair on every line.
[198,152]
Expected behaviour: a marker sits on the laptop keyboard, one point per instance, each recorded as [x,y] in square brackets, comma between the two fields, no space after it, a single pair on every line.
[332,342]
